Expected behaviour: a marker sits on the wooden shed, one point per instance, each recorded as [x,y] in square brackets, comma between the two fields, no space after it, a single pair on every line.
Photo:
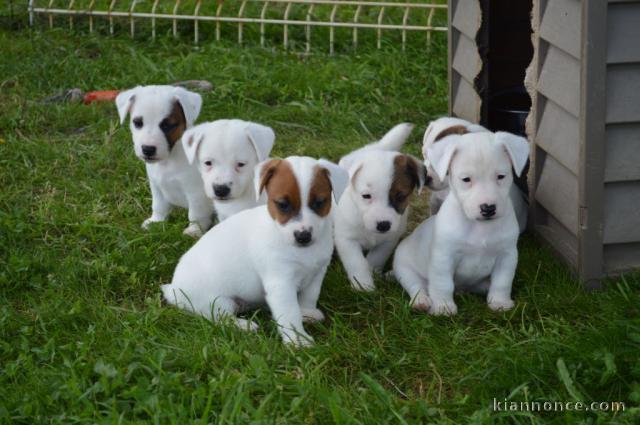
[571,69]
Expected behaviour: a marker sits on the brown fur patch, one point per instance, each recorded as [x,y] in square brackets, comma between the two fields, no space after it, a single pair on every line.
[456,129]
[320,192]
[174,125]
[405,180]
[283,191]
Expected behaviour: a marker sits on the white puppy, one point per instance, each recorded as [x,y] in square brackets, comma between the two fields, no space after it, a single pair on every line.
[159,117]
[276,253]
[439,131]
[226,153]
[471,243]
[373,210]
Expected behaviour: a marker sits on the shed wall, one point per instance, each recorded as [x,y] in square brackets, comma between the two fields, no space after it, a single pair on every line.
[622,155]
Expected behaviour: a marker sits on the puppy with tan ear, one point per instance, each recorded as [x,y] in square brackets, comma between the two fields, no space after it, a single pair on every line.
[471,244]
[159,117]
[372,213]
[275,254]
[226,153]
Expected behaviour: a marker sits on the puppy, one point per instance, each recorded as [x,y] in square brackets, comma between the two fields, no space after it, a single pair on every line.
[438,132]
[159,117]
[275,254]
[226,153]
[372,213]
[471,243]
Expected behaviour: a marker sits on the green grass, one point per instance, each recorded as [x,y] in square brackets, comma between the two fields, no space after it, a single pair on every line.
[84,337]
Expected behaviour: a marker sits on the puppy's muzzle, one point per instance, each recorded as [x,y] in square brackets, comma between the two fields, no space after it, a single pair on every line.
[221,191]
[488,211]
[303,238]
[149,152]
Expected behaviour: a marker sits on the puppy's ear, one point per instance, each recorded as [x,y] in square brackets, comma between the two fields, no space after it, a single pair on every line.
[353,170]
[262,138]
[191,140]
[263,172]
[124,102]
[338,176]
[191,103]
[410,167]
[517,148]
[440,155]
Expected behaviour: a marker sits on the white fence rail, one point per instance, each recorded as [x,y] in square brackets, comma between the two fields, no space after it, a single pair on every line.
[414,17]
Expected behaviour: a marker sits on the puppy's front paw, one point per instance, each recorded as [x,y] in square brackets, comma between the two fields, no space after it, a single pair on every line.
[298,340]
[361,282]
[311,315]
[148,222]
[421,302]
[193,230]
[501,304]
[247,325]
[443,308]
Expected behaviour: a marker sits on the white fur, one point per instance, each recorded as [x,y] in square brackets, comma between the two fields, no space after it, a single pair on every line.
[439,187]
[250,259]
[172,180]
[458,248]
[371,173]
[226,153]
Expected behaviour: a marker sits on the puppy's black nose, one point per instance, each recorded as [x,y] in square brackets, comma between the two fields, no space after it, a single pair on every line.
[303,237]
[488,210]
[383,226]
[221,190]
[148,151]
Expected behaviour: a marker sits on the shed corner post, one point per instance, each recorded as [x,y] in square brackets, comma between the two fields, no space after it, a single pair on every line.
[592,143]
[451,4]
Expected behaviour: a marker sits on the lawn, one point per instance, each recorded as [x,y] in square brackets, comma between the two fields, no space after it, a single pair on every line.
[85,337]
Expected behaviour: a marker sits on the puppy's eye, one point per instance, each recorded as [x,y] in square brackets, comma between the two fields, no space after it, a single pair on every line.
[501,176]
[466,179]
[317,204]
[283,205]
[366,196]
[137,122]
[241,164]
[167,125]
[208,163]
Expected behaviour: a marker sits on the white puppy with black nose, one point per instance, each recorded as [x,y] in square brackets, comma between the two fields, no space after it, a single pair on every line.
[159,117]
[276,253]
[226,153]
[471,244]
[372,212]
[438,132]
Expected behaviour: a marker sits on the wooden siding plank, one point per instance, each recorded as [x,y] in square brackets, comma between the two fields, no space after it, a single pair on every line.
[467,17]
[622,159]
[623,93]
[558,134]
[557,236]
[557,192]
[620,258]
[623,38]
[560,25]
[622,212]
[560,79]
[466,102]
[466,59]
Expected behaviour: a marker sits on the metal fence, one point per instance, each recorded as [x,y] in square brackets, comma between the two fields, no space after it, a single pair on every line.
[378,16]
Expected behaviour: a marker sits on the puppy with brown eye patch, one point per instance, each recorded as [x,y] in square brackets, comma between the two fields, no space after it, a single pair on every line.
[274,254]
[372,213]
[159,117]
